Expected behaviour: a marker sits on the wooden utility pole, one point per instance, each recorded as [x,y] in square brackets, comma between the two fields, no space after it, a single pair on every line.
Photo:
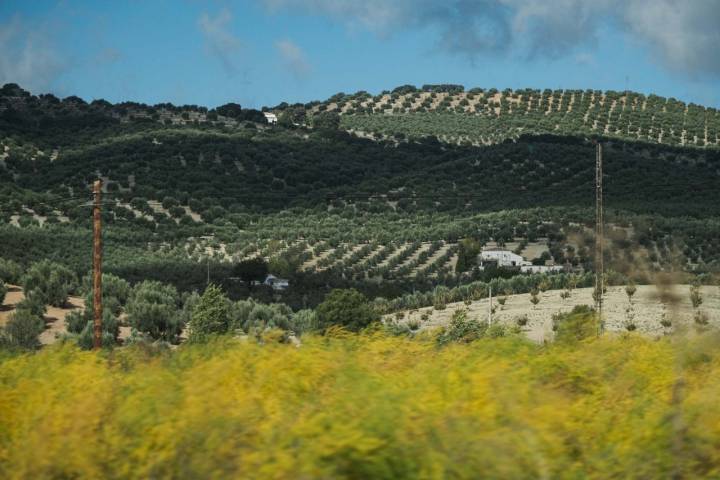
[599,234]
[97,267]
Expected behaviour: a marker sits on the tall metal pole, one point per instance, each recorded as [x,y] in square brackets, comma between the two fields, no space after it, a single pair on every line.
[490,306]
[599,234]
[97,267]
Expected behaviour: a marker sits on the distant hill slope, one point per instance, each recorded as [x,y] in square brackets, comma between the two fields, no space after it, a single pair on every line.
[480,116]
[184,183]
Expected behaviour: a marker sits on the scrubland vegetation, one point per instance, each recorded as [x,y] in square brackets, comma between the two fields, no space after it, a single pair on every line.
[365,406]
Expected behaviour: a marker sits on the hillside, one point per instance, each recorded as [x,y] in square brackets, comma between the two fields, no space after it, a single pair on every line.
[187,186]
[481,117]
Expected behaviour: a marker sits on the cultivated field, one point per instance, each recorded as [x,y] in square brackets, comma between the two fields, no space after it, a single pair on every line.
[646,311]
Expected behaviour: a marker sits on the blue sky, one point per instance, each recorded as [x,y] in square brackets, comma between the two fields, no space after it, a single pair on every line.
[262,52]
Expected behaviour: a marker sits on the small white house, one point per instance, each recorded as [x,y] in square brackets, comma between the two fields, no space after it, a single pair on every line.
[276,283]
[270,117]
[503,258]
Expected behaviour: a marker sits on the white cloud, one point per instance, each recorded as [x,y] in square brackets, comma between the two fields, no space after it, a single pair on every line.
[682,35]
[27,57]
[219,40]
[293,58]
[584,58]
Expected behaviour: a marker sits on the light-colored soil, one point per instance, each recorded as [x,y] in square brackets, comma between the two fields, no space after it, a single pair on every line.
[647,307]
[54,317]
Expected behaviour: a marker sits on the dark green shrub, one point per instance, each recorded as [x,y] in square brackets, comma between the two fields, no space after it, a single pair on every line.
[23,329]
[10,272]
[347,308]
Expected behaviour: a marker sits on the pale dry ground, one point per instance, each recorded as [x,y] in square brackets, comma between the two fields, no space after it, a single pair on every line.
[647,307]
[54,318]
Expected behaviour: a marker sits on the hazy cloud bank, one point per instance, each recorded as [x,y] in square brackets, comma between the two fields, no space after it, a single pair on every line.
[27,56]
[682,35]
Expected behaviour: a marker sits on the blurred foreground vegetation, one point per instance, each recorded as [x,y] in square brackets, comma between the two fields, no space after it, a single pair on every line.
[365,406]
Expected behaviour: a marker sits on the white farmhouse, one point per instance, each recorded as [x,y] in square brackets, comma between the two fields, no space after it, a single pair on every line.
[506,258]
[503,258]
[270,117]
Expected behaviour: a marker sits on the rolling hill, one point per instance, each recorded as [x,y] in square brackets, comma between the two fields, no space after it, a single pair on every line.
[359,190]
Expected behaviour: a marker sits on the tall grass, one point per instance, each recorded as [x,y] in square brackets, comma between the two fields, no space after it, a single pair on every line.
[365,407]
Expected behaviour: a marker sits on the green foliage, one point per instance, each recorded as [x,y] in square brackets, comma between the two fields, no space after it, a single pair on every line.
[23,328]
[461,329]
[115,292]
[468,251]
[10,272]
[326,121]
[210,314]
[255,318]
[86,337]
[152,309]
[3,292]
[52,281]
[347,308]
[34,302]
[578,324]
[304,321]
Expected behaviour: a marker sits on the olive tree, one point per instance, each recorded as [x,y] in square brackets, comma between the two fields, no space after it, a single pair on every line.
[23,329]
[347,308]
[52,280]
[153,310]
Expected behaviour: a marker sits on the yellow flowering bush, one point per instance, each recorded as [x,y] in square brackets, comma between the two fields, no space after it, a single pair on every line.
[365,407]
